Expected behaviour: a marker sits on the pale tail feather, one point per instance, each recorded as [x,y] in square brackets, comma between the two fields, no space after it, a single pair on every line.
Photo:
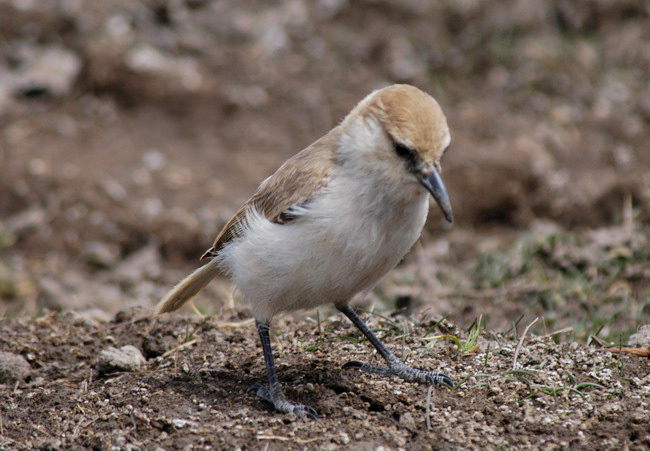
[188,287]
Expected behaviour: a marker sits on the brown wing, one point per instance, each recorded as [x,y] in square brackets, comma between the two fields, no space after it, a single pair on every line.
[294,183]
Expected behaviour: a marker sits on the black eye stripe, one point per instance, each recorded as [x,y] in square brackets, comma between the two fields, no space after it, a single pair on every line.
[402,150]
[408,155]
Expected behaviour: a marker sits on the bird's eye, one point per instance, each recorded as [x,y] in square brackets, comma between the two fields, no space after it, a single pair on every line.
[402,150]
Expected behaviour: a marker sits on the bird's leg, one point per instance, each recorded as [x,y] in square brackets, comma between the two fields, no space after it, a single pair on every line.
[274,393]
[395,367]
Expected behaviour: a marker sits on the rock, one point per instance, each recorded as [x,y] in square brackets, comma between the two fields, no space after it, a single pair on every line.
[127,358]
[26,221]
[407,421]
[13,368]
[50,69]
[114,190]
[180,423]
[91,317]
[641,339]
[101,255]
[183,71]
[154,161]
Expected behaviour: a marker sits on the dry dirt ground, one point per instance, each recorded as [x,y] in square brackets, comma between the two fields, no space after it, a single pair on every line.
[193,391]
[131,131]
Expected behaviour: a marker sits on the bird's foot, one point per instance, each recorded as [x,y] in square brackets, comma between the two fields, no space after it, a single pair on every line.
[398,369]
[276,397]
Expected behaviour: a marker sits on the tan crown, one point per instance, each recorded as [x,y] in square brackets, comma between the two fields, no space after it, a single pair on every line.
[411,117]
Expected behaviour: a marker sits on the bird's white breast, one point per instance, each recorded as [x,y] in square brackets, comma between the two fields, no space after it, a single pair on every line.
[348,238]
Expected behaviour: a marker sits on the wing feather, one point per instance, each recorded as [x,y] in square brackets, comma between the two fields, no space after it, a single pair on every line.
[294,184]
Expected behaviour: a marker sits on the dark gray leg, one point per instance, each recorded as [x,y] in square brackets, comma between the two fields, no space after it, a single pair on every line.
[274,393]
[395,367]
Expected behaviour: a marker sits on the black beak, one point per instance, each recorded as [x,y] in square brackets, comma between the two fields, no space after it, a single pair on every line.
[436,187]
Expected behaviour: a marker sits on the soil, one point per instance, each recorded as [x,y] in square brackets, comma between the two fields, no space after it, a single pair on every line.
[194,389]
[130,132]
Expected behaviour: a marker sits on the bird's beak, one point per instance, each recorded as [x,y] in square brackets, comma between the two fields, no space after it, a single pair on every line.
[436,187]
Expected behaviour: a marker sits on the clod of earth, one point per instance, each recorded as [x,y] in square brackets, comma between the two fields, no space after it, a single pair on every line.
[641,339]
[126,358]
[13,368]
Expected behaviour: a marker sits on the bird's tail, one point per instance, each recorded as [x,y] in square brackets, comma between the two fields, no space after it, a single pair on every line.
[188,287]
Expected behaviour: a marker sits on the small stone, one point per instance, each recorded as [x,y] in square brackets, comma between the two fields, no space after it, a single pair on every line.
[182,71]
[181,423]
[641,338]
[91,317]
[407,421]
[46,69]
[101,255]
[154,160]
[114,190]
[26,221]
[127,358]
[13,368]
[342,439]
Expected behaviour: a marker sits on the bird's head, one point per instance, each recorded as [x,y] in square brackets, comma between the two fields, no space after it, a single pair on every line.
[402,132]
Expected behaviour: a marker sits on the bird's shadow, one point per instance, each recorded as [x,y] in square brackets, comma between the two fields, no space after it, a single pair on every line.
[230,388]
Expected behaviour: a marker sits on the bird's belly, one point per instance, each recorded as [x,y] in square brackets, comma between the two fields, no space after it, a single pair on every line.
[317,260]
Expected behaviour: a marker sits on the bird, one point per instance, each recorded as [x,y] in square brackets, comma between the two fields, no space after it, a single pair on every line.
[331,222]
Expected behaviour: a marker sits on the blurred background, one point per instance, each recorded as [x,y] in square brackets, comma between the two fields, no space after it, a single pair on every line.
[131,131]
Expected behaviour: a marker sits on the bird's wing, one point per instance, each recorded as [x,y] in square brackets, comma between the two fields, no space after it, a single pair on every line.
[283,196]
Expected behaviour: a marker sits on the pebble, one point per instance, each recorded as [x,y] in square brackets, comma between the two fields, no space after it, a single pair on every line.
[641,338]
[126,358]
[101,255]
[407,421]
[51,69]
[27,221]
[13,368]
[181,423]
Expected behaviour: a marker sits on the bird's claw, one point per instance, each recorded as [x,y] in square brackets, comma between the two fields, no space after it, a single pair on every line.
[352,364]
[302,411]
[404,372]
[281,403]
[436,379]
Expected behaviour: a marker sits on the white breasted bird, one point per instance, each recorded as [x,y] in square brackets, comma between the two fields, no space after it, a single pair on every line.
[332,221]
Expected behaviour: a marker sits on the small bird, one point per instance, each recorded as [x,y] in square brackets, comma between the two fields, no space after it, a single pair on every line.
[332,221]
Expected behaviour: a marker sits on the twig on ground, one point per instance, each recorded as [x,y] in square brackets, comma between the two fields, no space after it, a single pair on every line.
[180,347]
[320,329]
[300,441]
[428,411]
[521,342]
[236,324]
[514,326]
[623,350]
[558,332]
[599,341]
